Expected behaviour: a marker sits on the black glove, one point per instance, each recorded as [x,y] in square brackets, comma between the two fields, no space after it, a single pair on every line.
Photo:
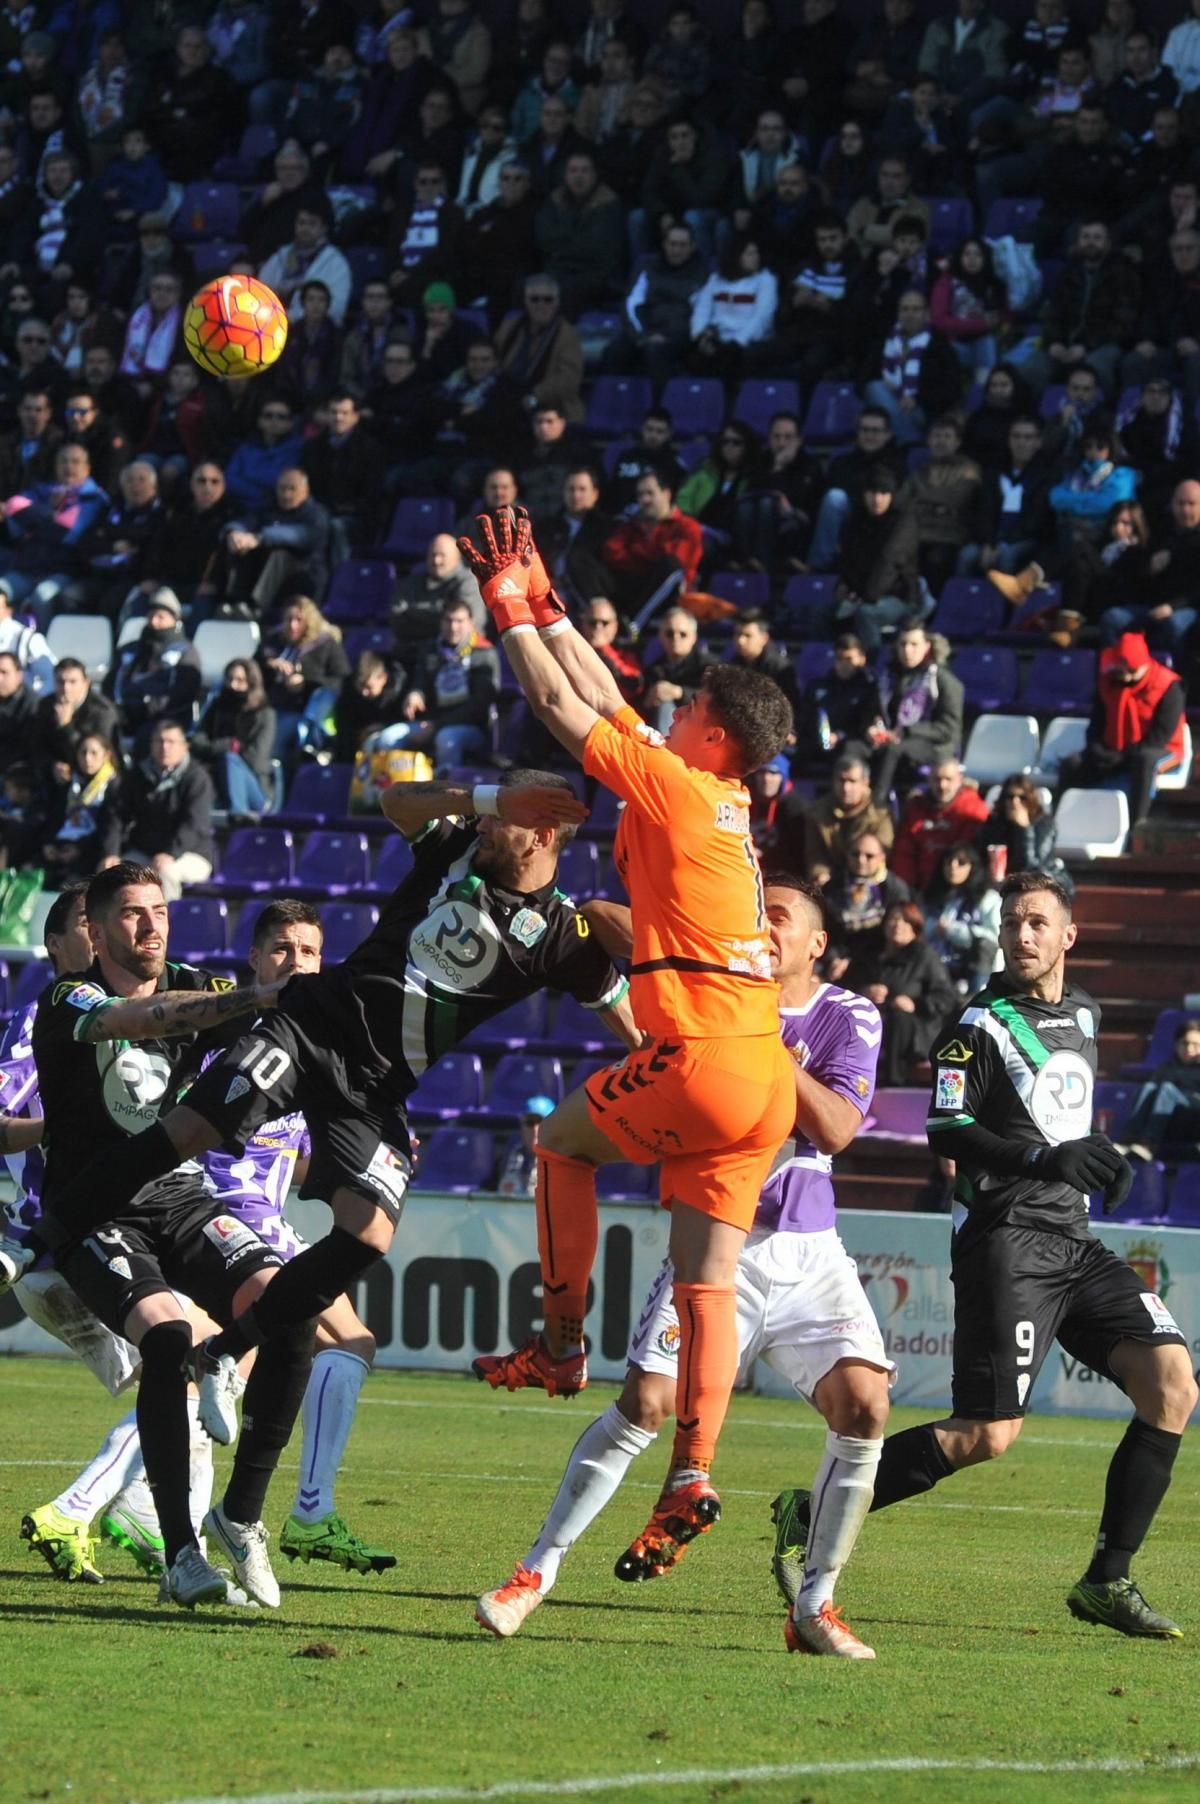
[1116,1192]
[1092,1163]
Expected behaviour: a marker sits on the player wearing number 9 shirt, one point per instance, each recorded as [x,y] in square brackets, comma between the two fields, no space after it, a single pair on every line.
[1012,1106]
[711,1095]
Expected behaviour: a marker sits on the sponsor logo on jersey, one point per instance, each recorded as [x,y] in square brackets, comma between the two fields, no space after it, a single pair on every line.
[951,1088]
[134,1083]
[1160,1315]
[643,730]
[954,1054]
[1043,1026]
[221,983]
[1060,1101]
[239,1087]
[231,1237]
[84,996]
[456,946]
[528,926]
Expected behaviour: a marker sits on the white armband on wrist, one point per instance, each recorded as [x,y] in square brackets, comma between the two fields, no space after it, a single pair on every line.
[555,626]
[485,798]
[526,626]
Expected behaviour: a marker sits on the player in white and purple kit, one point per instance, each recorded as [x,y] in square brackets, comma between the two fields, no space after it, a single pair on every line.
[800,1307]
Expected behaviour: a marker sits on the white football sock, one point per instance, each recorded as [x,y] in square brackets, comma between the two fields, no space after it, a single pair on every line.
[329,1405]
[599,1461]
[200,1467]
[117,1463]
[841,1498]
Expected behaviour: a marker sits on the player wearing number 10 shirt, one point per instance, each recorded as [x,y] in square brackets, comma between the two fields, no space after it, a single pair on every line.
[1012,1106]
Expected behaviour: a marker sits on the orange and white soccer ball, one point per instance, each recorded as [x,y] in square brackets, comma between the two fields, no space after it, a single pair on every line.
[235,326]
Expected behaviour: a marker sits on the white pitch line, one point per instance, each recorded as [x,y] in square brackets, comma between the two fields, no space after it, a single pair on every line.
[811,1769]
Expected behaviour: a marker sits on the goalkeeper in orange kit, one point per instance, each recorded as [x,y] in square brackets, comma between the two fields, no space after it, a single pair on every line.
[711,1094]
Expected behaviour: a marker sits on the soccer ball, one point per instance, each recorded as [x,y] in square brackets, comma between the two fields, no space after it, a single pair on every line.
[235,327]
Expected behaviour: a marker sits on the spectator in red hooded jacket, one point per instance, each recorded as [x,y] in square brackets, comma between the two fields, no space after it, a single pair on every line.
[1136,730]
[946,814]
[656,552]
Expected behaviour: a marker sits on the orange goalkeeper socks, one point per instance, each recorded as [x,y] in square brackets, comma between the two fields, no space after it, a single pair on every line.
[708,1363]
[568,1229]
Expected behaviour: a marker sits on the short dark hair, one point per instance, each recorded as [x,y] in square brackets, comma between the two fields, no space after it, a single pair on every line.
[754,617]
[70,664]
[9,656]
[813,894]
[523,775]
[753,710]
[1028,883]
[106,886]
[59,911]
[344,394]
[285,914]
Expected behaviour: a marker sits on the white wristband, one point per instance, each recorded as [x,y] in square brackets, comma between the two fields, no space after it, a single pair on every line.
[485,798]
[526,626]
[555,626]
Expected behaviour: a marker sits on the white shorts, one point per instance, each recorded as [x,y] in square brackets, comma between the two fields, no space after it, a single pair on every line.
[800,1307]
[49,1301]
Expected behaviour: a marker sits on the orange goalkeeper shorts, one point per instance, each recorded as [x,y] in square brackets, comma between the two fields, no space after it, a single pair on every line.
[715,1112]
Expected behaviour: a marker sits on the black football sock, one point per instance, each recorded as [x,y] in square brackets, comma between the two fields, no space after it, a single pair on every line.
[105,1186]
[312,1281]
[164,1429]
[272,1403]
[1138,1476]
[911,1462]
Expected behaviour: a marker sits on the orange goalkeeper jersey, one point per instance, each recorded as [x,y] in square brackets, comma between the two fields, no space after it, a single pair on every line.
[701,954]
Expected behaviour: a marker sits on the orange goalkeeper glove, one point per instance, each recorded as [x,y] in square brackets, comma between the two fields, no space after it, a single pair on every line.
[512,578]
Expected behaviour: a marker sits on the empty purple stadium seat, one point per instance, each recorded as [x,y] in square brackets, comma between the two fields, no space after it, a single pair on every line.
[358,639]
[617,404]
[199,927]
[515,1026]
[320,792]
[1161,1043]
[612,887]
[760,397]
[1183,1211]
[368,263]
[696,405]
[453,1084]
[950,221]
[808,598]
[258,142]
[456,1159]
[578,869]
[634,1183]
[334,862]
[744,588]
[393,865]
[1111,1103]
[346,926]
[605,810]
[34,975]
[1145,1202]
[1014,218]
[814,660]
[243,933]
[360,590]
[579,1029]
[1060,682]
[259,858]
[214,257]
[969,609]
[832,415]
[1053,397]
[520,1075]
[587,1068]
[207,210]
[416,520]
[989,674]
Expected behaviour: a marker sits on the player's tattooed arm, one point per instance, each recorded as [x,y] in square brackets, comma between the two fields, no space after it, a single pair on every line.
[169,1013]
[520,804]
[18,1133]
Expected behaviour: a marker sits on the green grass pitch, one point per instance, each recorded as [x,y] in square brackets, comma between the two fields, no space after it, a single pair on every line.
[682,1688]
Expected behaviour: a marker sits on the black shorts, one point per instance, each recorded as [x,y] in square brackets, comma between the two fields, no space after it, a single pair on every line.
[178,1238]
[302,1057]
[1017,1290]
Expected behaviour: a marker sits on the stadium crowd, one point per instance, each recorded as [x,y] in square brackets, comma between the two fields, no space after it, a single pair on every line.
[858,343]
